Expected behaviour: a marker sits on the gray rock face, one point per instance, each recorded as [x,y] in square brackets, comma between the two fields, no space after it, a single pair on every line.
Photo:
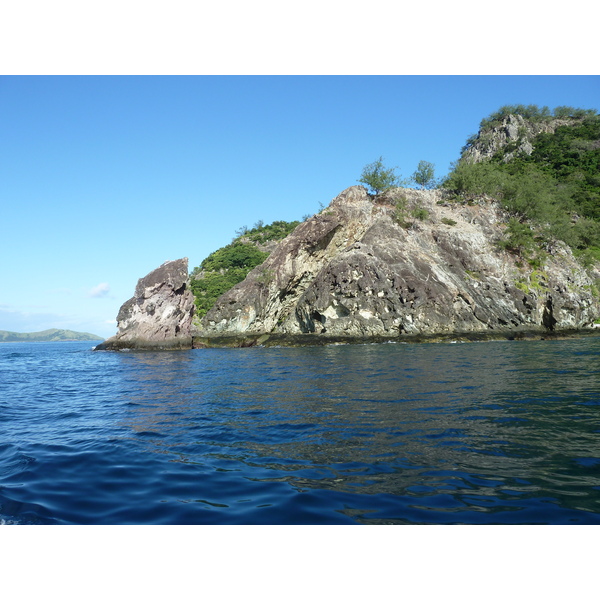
[159,315]
[354,271]
[513,129]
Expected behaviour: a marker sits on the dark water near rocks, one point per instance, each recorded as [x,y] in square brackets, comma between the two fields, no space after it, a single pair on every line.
[481,433]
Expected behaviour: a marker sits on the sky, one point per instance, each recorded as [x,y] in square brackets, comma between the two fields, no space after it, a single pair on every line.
[104,178]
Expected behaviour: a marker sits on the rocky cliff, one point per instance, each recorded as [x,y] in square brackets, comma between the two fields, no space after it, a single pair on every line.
[514,132]
[355,272]
[404,264]
[364,270]
[159,315]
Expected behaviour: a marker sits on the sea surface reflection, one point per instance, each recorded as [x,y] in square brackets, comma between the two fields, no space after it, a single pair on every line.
[495,432]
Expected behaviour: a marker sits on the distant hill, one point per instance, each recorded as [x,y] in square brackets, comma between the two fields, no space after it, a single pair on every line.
[49,335]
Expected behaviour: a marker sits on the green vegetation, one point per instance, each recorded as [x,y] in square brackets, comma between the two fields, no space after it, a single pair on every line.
[421,214]
[424,175]
[554,192]
[400,209]
[261,233]
[378,178]
[230,265]
[221,270]
[448,221]
[237,255]
[519,237]
[535,113]
[536,281]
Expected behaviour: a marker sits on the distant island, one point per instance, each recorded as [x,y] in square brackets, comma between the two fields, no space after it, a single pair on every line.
[48,335]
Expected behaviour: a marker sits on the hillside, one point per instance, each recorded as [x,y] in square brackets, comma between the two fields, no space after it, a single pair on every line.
[359,270]
[230,265]
[543,168]
[507,246]
[48,335]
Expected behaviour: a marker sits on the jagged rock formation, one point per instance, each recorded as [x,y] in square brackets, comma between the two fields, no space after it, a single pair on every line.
[405,264]
[159,315]
[514,130]
[354,272]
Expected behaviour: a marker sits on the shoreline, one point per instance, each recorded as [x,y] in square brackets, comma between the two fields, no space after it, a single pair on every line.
[307,340]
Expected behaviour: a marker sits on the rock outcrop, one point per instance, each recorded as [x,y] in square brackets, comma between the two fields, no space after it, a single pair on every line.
[514,130]
[159,316]
[354,271]
[361,270]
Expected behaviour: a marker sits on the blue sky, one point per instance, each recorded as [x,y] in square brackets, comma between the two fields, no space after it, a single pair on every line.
[102,179]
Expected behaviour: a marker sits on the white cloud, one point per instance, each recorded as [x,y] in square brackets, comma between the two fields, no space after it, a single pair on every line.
[99,291]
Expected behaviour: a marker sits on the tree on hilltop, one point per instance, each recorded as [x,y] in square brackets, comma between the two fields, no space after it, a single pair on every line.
[378,178]
[424,175]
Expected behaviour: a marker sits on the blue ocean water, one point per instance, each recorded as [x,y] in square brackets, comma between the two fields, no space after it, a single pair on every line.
[475,433]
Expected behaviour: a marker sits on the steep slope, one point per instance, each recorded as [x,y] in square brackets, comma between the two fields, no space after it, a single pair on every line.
[354,272]
[513,132]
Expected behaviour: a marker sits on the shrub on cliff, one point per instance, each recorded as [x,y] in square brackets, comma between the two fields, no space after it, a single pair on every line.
[424,175]
[277,230]
[378,178]
[519,237]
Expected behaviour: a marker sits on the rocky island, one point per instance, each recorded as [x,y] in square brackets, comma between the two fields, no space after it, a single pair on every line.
[392,264]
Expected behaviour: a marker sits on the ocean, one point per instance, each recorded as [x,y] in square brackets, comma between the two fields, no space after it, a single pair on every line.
[504,432]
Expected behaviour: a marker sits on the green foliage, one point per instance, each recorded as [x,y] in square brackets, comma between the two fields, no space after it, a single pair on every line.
[556,187]
[519,237]
[448,221]
[586,234]
[530,112]
[424,175]
[589,257]
[572,156]
[534,113]
[530,193]
[230,265]
[378,178]
[214,284]
[275,231]
[475,178]
[536,281]
[235,255]
[577,113]
[400,208]
[221,270]
[420,213]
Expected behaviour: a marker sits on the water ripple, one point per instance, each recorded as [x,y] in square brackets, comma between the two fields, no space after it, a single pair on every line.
[492,433]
